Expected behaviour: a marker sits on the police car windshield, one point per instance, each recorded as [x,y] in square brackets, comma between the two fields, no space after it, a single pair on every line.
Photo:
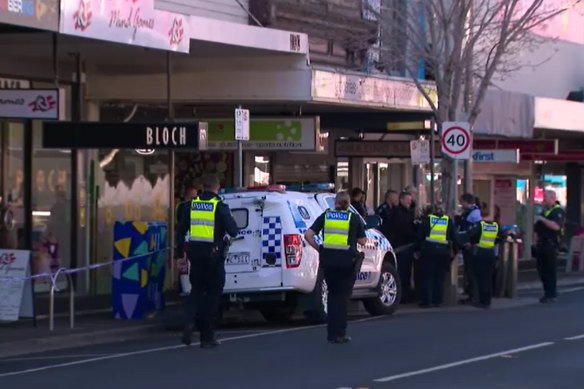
[330,202]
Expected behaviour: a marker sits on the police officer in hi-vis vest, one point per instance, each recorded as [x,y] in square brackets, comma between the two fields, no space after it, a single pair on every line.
[208,221]
[433,250]
[548,228]
[480,240]
[342,230]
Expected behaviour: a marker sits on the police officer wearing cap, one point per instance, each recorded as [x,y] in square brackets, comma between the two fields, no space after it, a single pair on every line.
[342,230]
[433,250]
[470,217]
[207,223]
[480,241]
[548,228]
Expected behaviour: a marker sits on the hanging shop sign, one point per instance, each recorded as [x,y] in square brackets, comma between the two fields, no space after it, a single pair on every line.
[141,136]
[133,22]
[548,146]
[376,149]
[495,156]
[291,134]
[41,14]
[29,104]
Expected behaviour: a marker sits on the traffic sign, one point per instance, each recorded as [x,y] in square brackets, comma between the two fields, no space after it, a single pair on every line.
[420,151]
[456,140]
[241,124]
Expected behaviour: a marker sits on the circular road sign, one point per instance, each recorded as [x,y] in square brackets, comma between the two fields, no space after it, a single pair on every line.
[455,140]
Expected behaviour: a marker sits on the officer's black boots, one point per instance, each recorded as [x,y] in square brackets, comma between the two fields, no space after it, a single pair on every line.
[187,334]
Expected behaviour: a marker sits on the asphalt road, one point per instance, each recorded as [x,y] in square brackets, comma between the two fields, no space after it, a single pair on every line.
[531,346]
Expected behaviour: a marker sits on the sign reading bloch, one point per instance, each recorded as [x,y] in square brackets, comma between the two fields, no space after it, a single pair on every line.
[144,136]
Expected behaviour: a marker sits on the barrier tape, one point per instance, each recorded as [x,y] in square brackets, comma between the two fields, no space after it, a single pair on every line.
[53,276]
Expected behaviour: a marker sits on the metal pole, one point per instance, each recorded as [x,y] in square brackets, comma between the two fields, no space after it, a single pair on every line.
[71,302]
[171,162]
[432,161]
[239,163]
[454,184]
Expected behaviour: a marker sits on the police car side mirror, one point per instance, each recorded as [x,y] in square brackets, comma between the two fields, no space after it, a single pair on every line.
[372,221]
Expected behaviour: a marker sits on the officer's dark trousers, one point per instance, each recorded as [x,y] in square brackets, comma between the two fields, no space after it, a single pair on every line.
[207,278]
[483,264]
[339,281]
[547,266]
[433,265]
[404,266]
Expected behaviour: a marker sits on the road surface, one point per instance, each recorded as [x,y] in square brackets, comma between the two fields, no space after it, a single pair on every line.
[530,346]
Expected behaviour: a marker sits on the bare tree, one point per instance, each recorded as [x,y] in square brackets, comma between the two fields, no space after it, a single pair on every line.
[463,44]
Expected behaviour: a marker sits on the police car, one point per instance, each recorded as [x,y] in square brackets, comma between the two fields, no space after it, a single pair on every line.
[272,268]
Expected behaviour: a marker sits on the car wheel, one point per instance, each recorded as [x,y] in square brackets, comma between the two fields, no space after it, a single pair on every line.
[388,293]
[317,311]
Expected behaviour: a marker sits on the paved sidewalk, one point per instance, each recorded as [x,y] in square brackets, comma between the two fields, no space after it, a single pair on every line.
[23,338]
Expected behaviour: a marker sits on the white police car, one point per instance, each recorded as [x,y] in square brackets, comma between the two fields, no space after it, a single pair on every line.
[272,268]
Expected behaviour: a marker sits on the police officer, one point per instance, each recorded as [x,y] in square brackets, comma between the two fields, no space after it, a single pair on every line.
[208,221]
[480,241]
[470,217]
[548,228]
[385,211]
[183,212]
[342,231]
[433,251]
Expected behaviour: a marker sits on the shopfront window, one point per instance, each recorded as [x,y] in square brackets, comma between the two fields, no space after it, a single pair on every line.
[12,233]
[261,171]
[51,206]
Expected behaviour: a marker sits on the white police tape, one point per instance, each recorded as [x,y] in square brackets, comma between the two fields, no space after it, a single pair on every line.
[53,276]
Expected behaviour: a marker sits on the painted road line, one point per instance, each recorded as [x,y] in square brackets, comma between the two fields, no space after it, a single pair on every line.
[168,348]
[577,337]
[72,356]
[463,362]
[571,290]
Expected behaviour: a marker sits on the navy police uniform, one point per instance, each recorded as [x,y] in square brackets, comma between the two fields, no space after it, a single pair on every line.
[338,253]
[546,250]
[207,221]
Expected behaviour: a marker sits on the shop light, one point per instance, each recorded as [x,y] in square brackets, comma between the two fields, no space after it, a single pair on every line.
[145,151]
[261,159]
[41,213]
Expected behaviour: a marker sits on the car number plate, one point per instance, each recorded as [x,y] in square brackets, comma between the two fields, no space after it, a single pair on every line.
[238,259]
[363,276]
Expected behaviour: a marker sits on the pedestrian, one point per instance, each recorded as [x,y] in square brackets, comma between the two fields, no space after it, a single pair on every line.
[402,236]
[357,195]
[207,222]
[471,216]
[480,240]
[433,251]
[411,189]
[548,228]
[385,210]
[338,254]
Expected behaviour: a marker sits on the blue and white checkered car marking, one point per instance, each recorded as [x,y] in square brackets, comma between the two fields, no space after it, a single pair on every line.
[272,240]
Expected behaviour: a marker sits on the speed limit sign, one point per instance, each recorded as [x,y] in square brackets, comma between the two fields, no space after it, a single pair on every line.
[456,140]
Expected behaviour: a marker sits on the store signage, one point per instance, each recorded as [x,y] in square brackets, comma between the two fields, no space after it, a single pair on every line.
[496,156]
[369,90]
[29,104]
[375,149]
[141,136]
[292,134]
[41,14]
[549,146]
[133,22]
[15,290]
[564,156]
[12,83]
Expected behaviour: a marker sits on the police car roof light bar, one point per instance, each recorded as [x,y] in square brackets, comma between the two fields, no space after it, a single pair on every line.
[267,188]
[319,187]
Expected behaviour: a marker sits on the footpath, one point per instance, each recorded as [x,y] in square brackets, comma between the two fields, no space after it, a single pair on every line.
[94,325]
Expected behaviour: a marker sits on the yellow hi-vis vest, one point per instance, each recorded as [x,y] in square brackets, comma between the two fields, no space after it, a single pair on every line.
[203,220]
[336,230]
[438,229]
[489,232]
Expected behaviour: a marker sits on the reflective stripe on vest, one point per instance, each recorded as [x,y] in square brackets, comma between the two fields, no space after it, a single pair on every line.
[203,220]
[549,211]
[336,230]
[489,232]
[438,229]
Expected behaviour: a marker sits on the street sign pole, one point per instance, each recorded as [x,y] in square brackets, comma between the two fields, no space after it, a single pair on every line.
[242,123]
[456,144]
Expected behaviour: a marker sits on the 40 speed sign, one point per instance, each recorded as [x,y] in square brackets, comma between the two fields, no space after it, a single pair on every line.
[455,140]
